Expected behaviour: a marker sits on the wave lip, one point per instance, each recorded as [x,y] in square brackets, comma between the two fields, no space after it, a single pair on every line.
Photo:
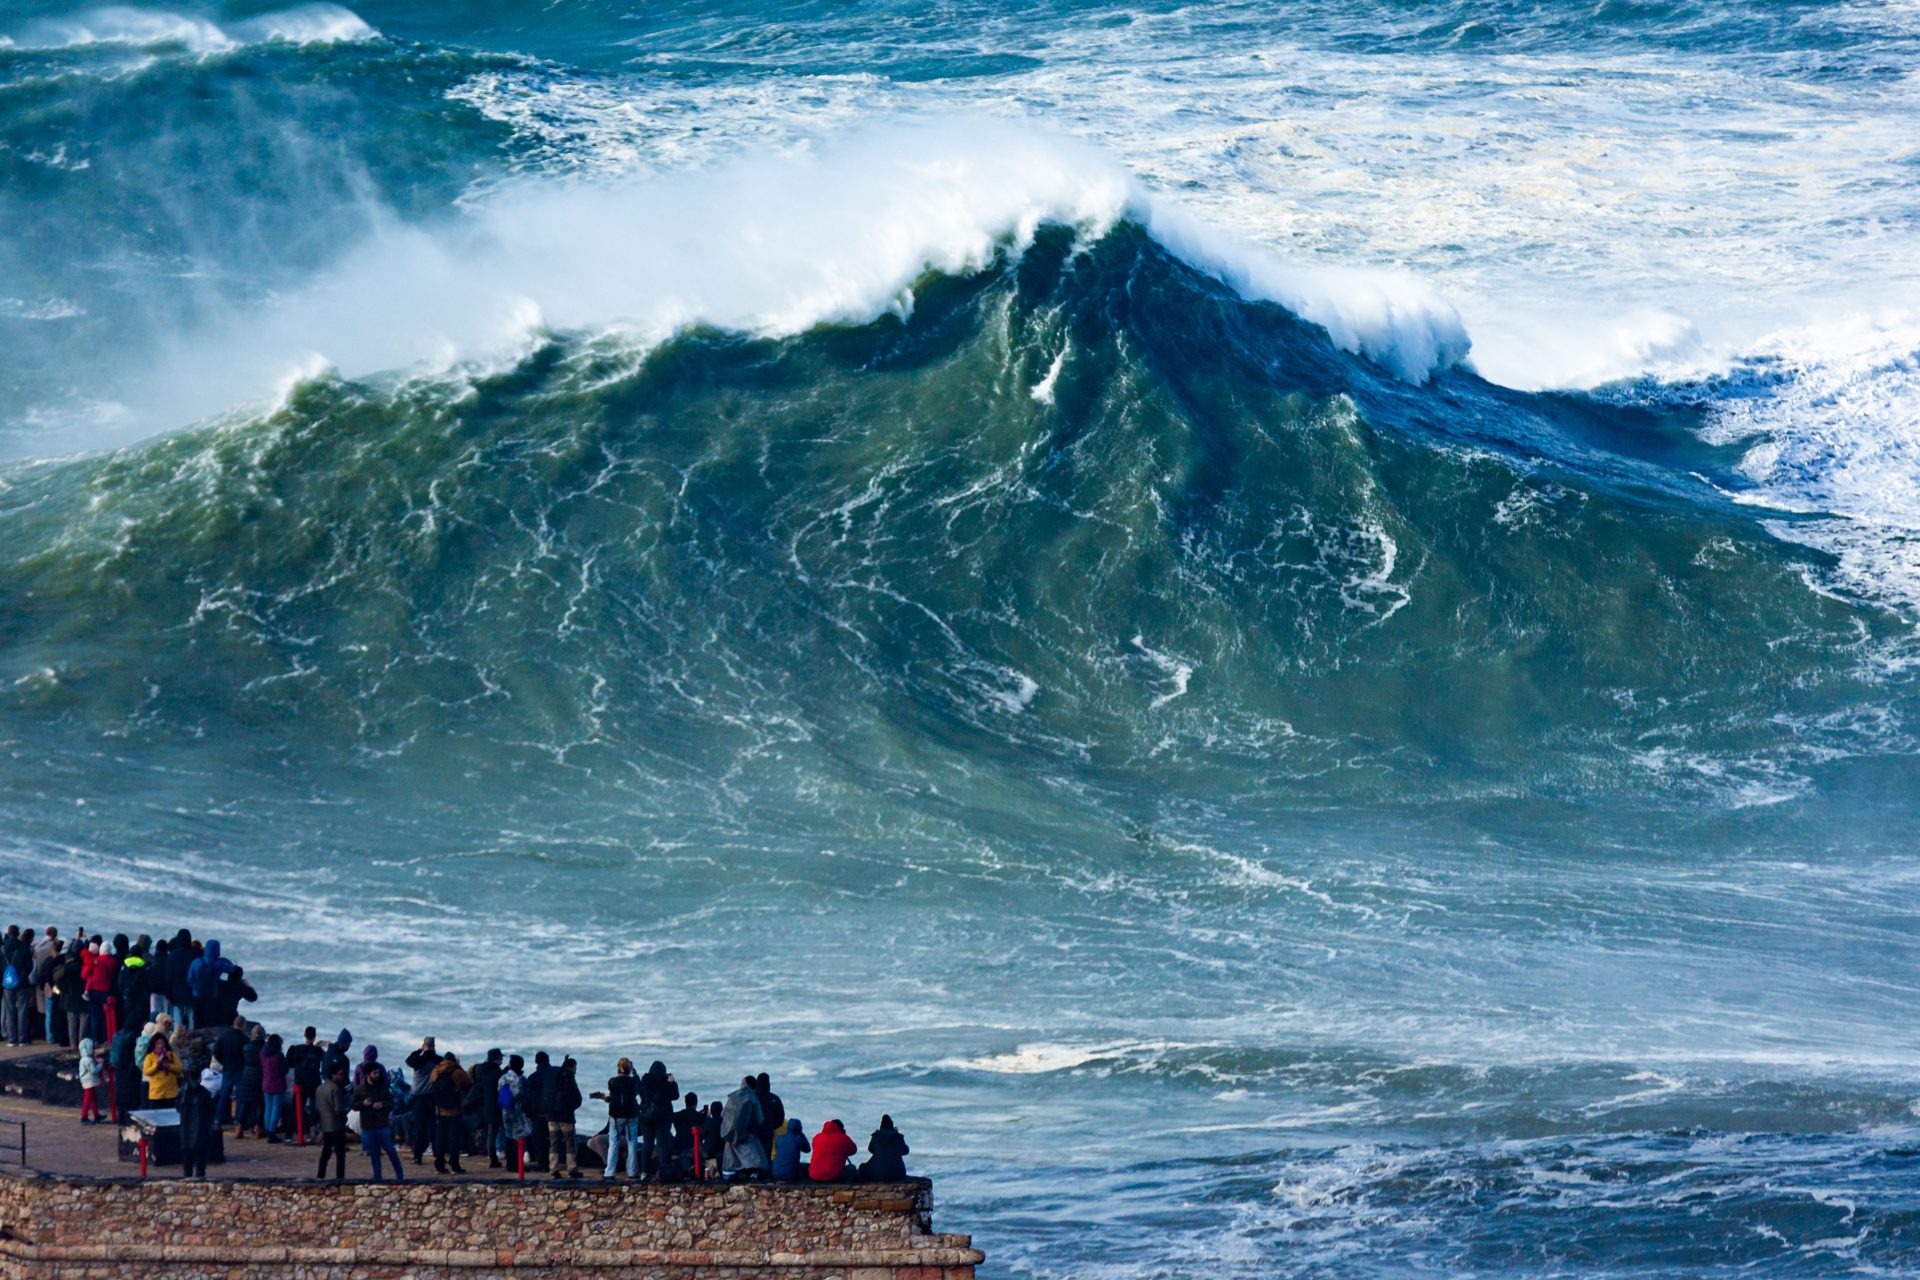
[839,233]
[123,26]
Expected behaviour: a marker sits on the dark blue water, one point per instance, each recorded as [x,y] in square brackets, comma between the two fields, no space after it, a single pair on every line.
[1288,629]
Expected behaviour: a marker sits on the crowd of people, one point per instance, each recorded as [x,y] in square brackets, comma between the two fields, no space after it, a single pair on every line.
[159,1026]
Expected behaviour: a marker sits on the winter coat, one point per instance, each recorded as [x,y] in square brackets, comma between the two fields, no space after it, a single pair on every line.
[787,1150]
[740,1127]
[623,1097]
[134,985]
[179,960]
[773,1114]
[832,1148]
[448,1086]
[303,1063]
[512,1101]
[658,1093]
[564,1098]
[89,1066]
[226,1001]
[250,1088]
[330,1105]
[539,1089]
[886,1147]
[335,1054]
[374,1097]
[486,1083]
[422,1062]
[101,973]
[71,983]
[229,1050]
[204,974]
[196,1117]
[273,1072]
[163,1076]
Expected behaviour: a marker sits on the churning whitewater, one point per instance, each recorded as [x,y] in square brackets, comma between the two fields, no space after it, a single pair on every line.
[1292,625]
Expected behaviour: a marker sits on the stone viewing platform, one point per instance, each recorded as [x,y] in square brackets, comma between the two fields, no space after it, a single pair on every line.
[75,1212]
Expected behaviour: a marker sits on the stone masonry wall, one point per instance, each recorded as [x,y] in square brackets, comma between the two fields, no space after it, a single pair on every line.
[172,1229]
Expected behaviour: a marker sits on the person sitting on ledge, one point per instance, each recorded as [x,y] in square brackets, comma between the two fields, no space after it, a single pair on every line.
[330,1104]
[788,1146]
[687,1138]
[832,1150]
[740,1121]
[888,1150]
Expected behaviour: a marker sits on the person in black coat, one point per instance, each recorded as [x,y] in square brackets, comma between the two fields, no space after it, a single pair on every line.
[250,1101]
[486,1084]
[888,1149]
[562,1101]
[303,1067]
[197,1127]
[534,1098]
[688,1125]
[658,1093]
[179,993]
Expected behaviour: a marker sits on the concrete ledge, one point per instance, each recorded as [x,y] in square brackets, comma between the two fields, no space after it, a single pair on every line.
[63,1227]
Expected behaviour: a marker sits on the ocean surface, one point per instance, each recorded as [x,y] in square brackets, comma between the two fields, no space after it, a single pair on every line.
[1291,629]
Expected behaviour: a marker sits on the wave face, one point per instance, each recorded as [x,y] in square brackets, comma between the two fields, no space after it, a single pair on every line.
[813,542]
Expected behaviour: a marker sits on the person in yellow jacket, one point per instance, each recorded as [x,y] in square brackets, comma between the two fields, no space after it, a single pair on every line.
[162,1070]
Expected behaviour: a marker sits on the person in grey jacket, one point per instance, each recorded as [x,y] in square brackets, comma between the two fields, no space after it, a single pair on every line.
[330,1104]
[745,1157]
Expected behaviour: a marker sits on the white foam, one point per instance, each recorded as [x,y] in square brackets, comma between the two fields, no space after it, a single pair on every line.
[130,27]
[772,245]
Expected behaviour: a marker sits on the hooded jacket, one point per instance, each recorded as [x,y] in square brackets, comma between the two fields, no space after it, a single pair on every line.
[740,1126]
[788,1146]
[204,974]
[100,974]
[657,1095]
[89,1066]
[163,1075]
[887,1148]
[832,1148]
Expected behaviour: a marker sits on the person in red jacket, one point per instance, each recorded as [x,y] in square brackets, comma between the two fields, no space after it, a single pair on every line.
[832,1148]
[98,981]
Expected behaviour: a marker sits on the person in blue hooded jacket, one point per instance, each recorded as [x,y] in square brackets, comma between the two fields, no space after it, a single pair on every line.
[788,1146]
[203,981]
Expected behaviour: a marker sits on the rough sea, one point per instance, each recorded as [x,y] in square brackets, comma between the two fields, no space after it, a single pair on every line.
[1292,630]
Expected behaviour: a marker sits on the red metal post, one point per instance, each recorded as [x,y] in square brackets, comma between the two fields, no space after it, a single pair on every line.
[699,1156]
[520,1146]
[299,1118]
[143,1157]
